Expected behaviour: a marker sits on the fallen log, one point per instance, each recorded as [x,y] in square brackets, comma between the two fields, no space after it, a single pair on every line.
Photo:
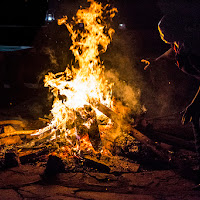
[178,142]
[155,147]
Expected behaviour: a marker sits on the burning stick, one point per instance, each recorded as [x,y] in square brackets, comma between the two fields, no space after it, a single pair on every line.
[106,111]
[94,134]
[146,62]
[27,132]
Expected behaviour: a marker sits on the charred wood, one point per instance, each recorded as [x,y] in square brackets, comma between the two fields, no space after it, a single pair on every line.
[54,166]
[32,156]
[177,142]
[91,163]
[93,132]
[11,159]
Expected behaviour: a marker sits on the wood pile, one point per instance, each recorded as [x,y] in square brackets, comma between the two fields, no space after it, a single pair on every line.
[19,145]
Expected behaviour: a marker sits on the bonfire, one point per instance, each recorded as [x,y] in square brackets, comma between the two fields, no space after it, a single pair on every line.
[86,119]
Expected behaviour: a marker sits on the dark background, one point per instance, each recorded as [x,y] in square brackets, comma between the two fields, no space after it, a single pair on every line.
[20,19]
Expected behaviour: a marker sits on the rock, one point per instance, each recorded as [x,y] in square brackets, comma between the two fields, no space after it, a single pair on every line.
[164,182]
[70,179]
[93,181]
[62,198]
[50,191]
[101,179]
[183,197]
[103,176]
[138,179]
[29,170]
[115,196]
[16,178]
[9,194]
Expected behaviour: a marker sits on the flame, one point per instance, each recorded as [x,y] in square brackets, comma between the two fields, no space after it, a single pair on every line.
[75,88]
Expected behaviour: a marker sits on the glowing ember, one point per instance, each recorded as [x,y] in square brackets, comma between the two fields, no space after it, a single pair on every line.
[146,62]
[76,90]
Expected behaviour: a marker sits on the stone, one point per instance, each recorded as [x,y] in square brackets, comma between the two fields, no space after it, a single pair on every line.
[100,179]
[44,191]
[9,194]
[70,179]
[103,176]
[62,198]
[138,179]
[109,196]
[83,180]
[29,169]
[11,178]
[183,197]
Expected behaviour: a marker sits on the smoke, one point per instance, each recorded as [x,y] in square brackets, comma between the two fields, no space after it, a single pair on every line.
[52,56]
[126,93]
[122,70]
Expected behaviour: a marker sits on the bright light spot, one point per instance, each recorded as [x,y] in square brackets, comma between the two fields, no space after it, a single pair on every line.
[49,18]
[122,26]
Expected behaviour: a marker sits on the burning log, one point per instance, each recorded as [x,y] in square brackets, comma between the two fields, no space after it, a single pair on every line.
[24,132]
[155,147]
[107,111]
[93,131]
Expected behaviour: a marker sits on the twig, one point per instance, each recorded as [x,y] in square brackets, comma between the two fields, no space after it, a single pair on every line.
[24,132]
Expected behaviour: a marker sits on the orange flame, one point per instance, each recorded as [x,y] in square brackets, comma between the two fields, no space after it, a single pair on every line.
[87,84]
